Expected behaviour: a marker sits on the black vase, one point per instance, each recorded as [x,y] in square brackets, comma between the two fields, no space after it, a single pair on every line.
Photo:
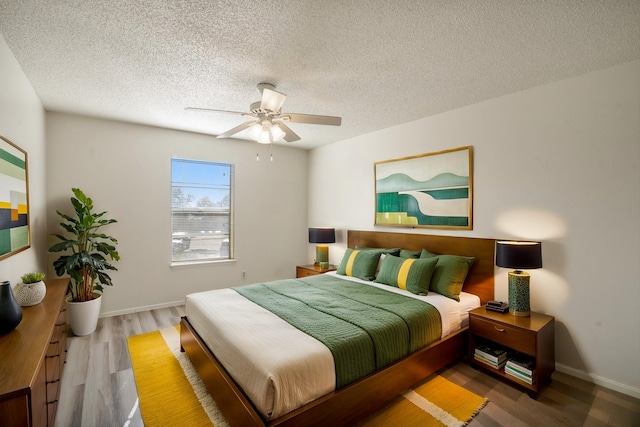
[10,310]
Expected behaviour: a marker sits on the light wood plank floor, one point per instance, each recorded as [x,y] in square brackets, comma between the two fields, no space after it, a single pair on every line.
[98,388]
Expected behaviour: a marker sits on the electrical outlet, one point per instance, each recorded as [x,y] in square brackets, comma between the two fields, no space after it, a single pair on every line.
[244,275]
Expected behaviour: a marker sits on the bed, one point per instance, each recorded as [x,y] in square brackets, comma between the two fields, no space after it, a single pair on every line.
[350,403]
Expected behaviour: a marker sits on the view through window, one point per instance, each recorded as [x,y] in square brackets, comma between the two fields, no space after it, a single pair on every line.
[201,210]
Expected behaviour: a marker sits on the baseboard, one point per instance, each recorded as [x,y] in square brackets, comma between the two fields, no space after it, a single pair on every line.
[143,308]
[601,381]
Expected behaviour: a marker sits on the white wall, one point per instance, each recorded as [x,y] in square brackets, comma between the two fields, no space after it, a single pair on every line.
[125,169]
[22,122]
[559,163]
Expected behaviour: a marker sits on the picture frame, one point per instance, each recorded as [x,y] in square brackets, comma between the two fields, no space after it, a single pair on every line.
[15,235]
[432,190]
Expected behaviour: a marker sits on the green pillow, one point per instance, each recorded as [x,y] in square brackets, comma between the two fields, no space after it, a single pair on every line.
[405,253]
[411,274]
[449,275]
[426,254]
[386,251]
[359,263]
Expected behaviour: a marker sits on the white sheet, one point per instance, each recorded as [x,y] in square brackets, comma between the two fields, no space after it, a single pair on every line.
[279,367]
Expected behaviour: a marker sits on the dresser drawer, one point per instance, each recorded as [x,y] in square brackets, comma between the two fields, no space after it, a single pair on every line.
[303,272]
[517,339]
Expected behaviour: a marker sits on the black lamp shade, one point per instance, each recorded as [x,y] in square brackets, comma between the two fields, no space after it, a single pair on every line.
[519,255]
[322,235]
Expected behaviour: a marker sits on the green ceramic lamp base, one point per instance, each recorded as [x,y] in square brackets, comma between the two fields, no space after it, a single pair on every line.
[519,294]
[322,254]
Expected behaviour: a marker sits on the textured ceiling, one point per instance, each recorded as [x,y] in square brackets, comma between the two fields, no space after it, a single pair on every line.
[374,63]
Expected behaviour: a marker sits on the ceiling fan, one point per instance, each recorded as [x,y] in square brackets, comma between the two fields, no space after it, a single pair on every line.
[267,124]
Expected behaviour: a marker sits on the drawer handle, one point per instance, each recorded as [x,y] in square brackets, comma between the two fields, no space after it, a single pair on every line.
[54,381]
[498,329]
[51,357]
[52,402]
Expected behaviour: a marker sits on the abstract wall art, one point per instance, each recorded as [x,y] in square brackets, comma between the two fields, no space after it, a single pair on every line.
[14,199]
[433,190]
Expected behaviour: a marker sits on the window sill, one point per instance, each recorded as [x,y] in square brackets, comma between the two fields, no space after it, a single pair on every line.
[201,263]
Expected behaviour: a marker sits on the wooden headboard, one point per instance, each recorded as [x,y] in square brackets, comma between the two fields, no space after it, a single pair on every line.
[480,280]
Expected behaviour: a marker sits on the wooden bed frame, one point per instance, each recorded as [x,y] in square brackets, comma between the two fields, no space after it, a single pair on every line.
[354,402]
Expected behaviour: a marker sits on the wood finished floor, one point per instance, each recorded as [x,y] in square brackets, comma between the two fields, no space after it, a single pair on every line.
[98,388]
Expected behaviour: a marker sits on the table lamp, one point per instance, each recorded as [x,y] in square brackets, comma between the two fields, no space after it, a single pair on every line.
[322,235]
[519,255]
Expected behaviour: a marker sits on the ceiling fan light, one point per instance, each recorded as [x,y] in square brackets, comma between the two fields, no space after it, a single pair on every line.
[264,138]
[255,131]
[260,133]
[266,132]
[277,133]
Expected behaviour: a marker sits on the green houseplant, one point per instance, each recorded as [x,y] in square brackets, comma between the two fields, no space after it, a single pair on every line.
[86,251]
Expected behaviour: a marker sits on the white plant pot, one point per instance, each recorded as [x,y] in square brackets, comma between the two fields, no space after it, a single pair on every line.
[30,293]
[83,316]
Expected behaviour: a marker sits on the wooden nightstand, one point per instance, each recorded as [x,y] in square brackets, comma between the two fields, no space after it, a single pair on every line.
[531,336]
[311,270]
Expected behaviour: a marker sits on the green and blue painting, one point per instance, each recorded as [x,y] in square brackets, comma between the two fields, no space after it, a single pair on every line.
[424,193]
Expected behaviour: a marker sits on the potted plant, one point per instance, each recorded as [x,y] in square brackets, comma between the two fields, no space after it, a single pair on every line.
[87,263]
[31,290]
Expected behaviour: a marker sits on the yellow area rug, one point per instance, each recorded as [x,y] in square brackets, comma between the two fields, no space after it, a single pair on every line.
[171,393]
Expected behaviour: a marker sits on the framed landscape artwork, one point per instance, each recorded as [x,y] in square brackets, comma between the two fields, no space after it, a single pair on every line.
[433,190]
[14,199]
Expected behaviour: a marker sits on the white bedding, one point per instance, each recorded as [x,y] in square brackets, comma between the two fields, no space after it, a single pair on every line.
[279,367]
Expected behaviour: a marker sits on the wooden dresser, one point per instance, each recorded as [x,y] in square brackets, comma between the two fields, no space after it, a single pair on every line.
[31,361]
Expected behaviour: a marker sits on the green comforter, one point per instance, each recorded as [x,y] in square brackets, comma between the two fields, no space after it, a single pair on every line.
[364,327]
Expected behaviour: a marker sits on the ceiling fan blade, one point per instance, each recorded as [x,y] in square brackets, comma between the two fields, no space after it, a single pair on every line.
[237,129]
[290,136]
[217,111]
[312,119]
[272,100]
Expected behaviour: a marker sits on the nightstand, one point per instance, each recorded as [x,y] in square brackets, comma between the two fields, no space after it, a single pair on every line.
[532,336]
[311,270]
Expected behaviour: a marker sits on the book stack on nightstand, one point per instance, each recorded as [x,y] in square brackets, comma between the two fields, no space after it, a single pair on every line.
[522,368]
[493,356]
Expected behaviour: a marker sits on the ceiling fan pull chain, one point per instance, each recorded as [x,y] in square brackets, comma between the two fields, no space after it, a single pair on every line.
[258,157]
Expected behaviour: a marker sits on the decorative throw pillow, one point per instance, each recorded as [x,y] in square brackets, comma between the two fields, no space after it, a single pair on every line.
[410,274]
[449,274]
[386,251]
[383,252]
[426,254]
[405,253]
[359,263]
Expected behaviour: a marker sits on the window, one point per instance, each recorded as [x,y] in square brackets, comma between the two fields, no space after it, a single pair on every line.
[201,210]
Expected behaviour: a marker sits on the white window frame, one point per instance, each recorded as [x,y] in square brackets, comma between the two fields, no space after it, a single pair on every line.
[202,227]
